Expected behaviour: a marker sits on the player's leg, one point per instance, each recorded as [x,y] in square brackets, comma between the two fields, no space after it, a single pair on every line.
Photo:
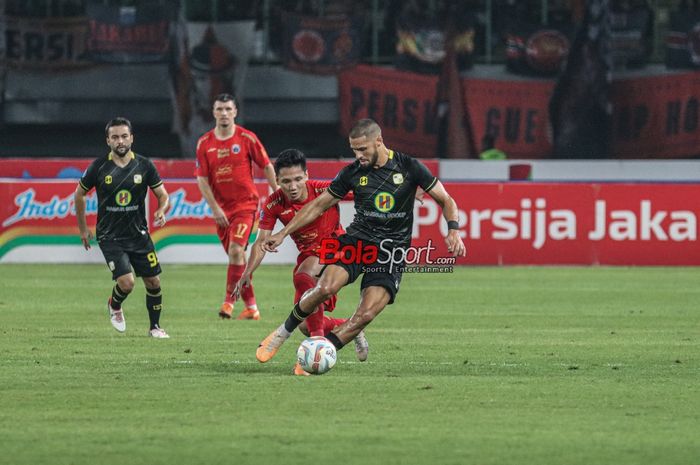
[305,280]
[374,299]
[146,265]
[118,263]
[379,289]
[246,222]
[361,343]
[333,279]
[235,242]
[154,305]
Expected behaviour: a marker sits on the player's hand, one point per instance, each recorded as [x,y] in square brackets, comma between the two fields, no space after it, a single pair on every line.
[420,195]
[220,217]
[455,245]
[272,242]
[245,280]
[159,218]
[86,237]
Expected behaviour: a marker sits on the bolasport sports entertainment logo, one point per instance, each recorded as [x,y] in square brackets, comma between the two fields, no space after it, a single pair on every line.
[385,257]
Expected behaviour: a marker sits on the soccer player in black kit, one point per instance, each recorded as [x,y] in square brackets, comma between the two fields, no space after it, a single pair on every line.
[121,179]
[384,183]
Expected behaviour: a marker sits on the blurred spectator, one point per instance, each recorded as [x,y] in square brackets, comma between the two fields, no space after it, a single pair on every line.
[489,151]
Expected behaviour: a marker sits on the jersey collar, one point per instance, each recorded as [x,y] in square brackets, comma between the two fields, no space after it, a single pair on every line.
[131,154]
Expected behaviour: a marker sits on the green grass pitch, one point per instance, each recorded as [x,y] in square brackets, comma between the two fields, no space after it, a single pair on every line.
[516,365]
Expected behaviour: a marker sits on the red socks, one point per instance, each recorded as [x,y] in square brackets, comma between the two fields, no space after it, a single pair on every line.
[233,275]
[314,322]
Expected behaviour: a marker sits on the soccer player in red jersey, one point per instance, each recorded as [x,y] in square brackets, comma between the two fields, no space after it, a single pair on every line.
[296,190]
[224,171]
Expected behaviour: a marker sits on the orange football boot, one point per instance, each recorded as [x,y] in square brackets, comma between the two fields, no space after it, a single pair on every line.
[270,345]
[226,311]
[249,314]
[299,371]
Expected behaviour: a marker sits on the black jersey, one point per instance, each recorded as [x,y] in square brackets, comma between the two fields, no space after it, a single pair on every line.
[383,197]
[121,195]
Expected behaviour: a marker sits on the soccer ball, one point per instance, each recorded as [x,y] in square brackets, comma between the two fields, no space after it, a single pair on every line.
[316,355]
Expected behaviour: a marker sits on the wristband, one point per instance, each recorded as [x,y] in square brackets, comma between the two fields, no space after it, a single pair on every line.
[452,224]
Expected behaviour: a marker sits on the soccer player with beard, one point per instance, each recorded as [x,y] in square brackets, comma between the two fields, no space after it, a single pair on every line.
[224,171]
[121,180]
[295,191]
[384,183]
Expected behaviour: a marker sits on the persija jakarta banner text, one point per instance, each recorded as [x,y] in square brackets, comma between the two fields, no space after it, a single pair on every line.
[653,117]
[573,223]
[501,223]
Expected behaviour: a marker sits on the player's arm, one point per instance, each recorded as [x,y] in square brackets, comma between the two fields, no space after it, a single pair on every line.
[449,210]
[163,201]
[216,210]
[306,215]
[257,253]
[79,201]
[271,177]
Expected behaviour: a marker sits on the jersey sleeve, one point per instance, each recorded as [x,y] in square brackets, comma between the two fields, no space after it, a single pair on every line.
[201,167]
[258,153]
[326,184]
[424,178]
[342,184]
[268,214]
[152,177]
[89,178]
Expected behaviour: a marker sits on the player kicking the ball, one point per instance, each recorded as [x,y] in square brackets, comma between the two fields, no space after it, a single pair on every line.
[384,183]
[296,191]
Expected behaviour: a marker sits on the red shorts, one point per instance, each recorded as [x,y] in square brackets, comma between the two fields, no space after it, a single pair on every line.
[240,225]
[330,303]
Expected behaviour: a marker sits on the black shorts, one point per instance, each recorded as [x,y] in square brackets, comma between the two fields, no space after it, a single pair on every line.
[375,274]
[123,254]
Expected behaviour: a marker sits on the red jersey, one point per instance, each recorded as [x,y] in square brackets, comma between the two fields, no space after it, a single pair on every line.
[308,238]
[228,166]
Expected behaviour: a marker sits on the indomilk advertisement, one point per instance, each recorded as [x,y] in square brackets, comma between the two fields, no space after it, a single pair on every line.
[501,224]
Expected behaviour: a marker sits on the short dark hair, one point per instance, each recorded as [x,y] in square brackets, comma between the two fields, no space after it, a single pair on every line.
[225,97]
[118,121]
[288,158]
[365,128]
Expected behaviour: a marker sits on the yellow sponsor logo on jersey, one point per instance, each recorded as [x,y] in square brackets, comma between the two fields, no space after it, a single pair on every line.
[384,202]
[363,181]
[123,198]
[108,179]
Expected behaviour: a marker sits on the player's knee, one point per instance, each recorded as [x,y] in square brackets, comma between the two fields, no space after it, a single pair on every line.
[236,254]
[126,283]
[326,291]
[152,282]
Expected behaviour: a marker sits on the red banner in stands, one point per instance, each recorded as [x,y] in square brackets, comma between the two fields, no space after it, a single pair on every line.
[584,224]
[657,117]
[654,117]
[402,103]
[515,112]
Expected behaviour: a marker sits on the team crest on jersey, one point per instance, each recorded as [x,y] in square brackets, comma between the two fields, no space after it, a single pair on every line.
[397,178]
[235,148]
[137,179]
[123,198]
[363,181]
[384,202]
[108,179]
